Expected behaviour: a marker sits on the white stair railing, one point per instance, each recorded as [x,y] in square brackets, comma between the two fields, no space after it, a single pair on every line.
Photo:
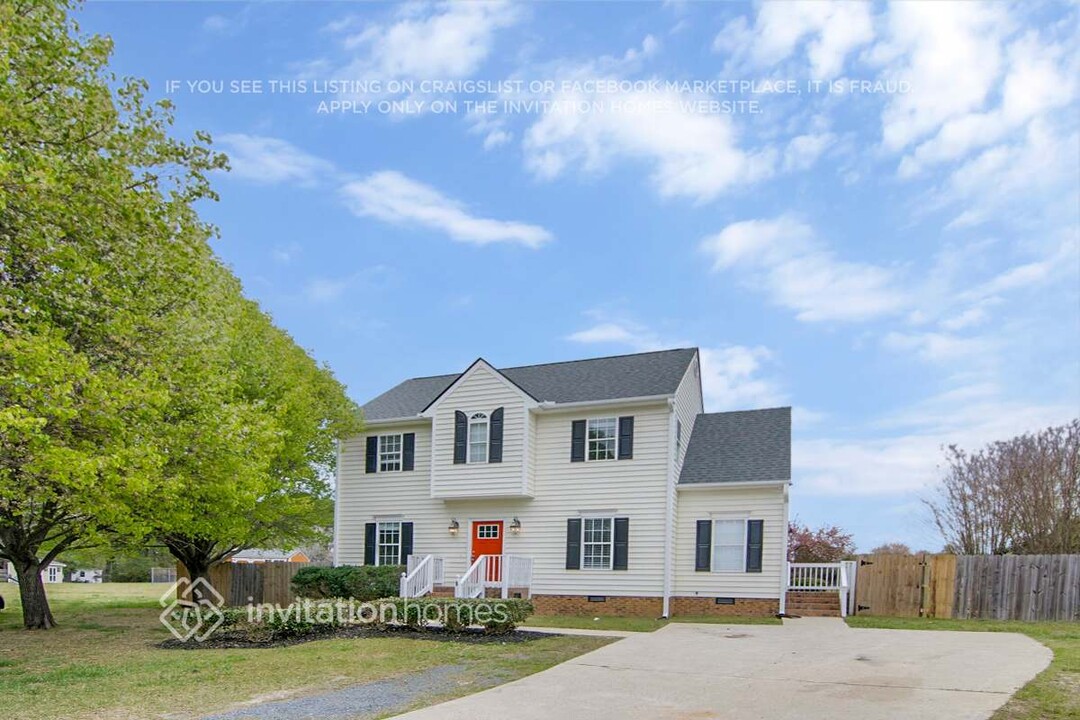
[471,584]
[822,577]
[516,573]
[419,578]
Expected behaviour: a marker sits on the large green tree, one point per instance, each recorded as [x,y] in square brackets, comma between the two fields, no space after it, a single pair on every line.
[100,249]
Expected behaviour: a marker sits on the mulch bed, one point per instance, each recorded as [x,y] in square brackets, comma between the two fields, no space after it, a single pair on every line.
[232,641]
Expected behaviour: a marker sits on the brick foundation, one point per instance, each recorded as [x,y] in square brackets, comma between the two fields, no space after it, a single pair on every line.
[758,607]
[635,606]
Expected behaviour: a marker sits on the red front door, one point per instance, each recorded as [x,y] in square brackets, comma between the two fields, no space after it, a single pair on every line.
[487,539]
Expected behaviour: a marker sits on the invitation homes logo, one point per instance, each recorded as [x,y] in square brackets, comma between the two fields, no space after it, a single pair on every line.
[192,610]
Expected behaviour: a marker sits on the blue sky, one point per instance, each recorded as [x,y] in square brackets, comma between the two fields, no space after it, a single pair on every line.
[892,251]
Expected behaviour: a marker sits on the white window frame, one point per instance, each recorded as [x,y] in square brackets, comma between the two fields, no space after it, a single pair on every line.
[610,543]
[490,527]
[379,542]
[712,546]
[53,573]
[614,438]
[478,419]
[387,457]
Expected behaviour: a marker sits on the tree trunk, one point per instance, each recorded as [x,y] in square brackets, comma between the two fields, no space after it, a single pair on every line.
[35,604]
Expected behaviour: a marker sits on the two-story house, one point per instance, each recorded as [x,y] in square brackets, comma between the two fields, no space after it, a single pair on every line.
[594,486]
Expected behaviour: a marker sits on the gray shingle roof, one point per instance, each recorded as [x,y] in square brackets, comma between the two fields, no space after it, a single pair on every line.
[607,378]
[742,446]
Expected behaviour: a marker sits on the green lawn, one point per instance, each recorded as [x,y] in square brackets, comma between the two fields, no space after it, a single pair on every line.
[1053,695]
[101,662]
[635,624]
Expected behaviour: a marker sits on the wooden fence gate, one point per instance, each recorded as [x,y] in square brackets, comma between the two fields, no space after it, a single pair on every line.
[905,585]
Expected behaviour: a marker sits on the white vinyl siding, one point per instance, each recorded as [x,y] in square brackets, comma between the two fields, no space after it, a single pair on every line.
[766,503]
[480,391]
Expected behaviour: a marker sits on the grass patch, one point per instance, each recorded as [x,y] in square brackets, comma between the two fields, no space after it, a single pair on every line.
[102,661]
[1054,694]
[638,624]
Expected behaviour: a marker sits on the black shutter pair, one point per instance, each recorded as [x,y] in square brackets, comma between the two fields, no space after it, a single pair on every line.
[620,552]
[754,542]
[371,533]
[625,442]
[408,453]
[495,437]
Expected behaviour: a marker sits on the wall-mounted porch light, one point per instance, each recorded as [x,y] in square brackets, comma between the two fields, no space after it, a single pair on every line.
[515,526]
[454,527]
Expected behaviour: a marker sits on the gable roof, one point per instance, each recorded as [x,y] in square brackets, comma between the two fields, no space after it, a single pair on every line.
[742,446]
[605,378]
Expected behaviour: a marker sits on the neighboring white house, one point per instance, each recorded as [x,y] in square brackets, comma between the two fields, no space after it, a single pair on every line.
[594,486]
[87,575]
[256,556]
[53,573]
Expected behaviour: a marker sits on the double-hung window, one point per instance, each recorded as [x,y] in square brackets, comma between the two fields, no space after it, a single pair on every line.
[478,438]
[388,544]
[389,453]
[602,434]
[729,546]
[597,539]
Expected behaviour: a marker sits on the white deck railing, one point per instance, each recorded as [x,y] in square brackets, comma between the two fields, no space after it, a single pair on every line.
[823,577]
[422,573]
[495,571]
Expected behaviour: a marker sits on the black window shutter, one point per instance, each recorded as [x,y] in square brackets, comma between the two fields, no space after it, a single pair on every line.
[406,542]
[495,436]
[703,547]
[621,554]
[461,431]
[371,457]
[577,441]
[573,544]
[408,451]
[626,437]
[369,544]
[754,530]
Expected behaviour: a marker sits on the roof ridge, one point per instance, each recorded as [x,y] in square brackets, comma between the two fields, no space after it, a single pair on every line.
[748,410]
[602,357]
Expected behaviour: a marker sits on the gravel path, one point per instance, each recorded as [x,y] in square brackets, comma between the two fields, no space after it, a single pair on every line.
[358,701]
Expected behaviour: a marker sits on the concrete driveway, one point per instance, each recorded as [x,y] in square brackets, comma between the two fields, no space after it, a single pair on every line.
[807,669]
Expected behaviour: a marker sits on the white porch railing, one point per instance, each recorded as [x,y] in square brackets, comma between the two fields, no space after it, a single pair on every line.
[823,577]
[422,573]
[495,571]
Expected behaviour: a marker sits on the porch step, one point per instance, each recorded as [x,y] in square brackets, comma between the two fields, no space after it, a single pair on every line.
[813,604]
[442,591]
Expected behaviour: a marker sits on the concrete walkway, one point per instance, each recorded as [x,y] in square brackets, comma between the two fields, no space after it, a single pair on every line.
[808,669]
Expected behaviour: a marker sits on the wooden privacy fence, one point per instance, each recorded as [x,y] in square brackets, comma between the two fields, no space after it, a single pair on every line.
[1003,587]
[243,583]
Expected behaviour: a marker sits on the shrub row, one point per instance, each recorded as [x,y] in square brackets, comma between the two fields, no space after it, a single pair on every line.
[364,583]
[495,615]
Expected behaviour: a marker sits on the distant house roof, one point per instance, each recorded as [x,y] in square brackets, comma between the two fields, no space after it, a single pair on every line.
[742,446]
[257,554]
[606,378]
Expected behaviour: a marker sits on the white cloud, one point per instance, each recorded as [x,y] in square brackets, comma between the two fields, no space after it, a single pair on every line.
[783,258]
[951,54]
[321,290]
[804,150]
[1038,81]
[267,160]
[445,40]
[692,155]
[910,462]
[937,347]
[610,332]
[731,378]
[830,31]
[392,197]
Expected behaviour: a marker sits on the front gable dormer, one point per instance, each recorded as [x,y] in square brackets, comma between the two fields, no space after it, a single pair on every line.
[480,429]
